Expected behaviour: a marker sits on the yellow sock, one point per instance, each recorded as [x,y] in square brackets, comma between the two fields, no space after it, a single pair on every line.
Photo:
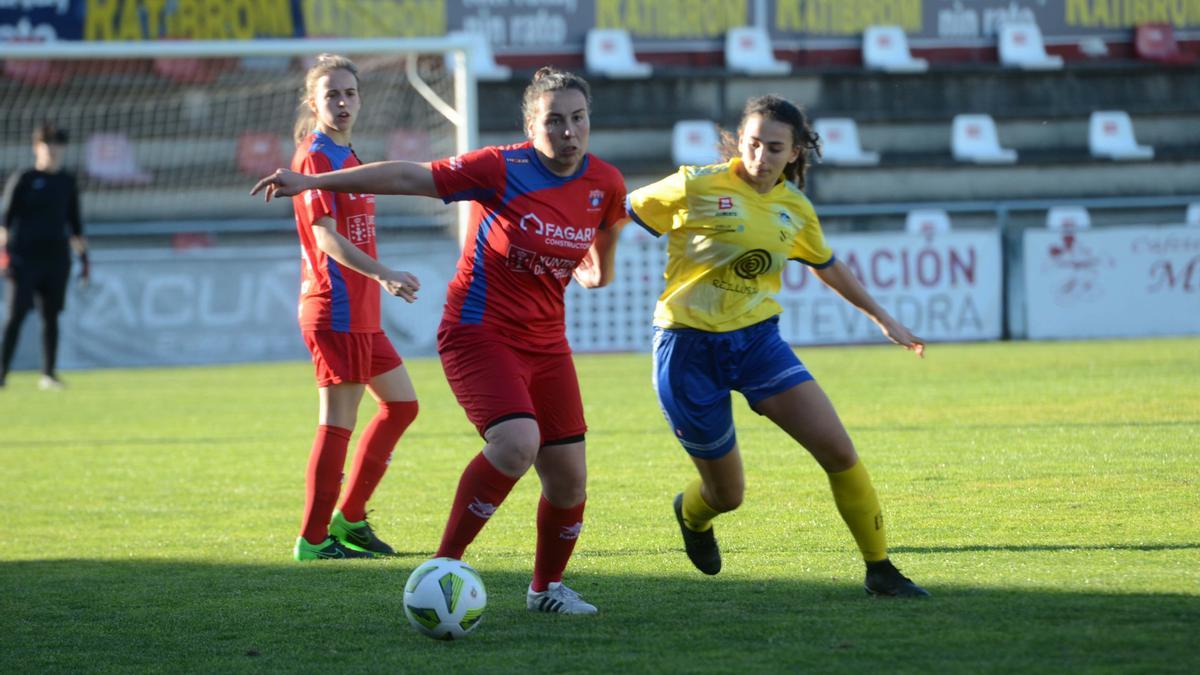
[697,514]
[856,501]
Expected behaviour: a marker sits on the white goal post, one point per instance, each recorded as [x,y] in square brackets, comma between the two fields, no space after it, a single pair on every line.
[169,133]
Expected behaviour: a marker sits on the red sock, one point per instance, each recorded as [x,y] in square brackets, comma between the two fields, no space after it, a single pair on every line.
[557,531]
[323,481]
[481,490]
[374,454]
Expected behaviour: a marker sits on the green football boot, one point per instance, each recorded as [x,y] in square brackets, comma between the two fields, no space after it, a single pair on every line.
[358,536]
[330,549]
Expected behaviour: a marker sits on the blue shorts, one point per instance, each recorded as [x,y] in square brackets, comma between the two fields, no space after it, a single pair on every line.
[695,370]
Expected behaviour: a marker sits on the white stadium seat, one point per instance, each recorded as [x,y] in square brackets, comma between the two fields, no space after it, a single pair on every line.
[1068,218]
[839,142]
[695,142]
[483,61]
[1193,214]
[1110,135]
[927,222]
[609,52]
[973,138]
[886,48]
[748,50]
[1021,46]
[109,158]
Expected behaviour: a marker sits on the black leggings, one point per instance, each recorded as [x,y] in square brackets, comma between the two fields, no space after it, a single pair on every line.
[40,282]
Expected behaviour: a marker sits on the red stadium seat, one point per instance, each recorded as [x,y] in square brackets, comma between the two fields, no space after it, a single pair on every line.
[409,144]
[185,71]
[259,153]
[1156,42]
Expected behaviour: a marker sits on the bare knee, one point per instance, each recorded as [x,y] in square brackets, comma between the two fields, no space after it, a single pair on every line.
[512,446]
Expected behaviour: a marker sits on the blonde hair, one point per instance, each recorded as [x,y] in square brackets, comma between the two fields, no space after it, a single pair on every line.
[325,64]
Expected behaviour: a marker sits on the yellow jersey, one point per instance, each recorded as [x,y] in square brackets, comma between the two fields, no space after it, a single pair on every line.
[727,245]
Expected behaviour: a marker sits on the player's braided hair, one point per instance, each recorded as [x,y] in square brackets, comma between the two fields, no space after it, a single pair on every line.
[306,121]
[779,109]
[547,79]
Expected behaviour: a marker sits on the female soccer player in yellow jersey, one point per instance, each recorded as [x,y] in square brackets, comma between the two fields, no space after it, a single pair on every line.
[731,227]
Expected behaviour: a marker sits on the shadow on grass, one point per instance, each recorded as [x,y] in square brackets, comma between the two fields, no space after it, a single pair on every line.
[1027,548]
[86,615]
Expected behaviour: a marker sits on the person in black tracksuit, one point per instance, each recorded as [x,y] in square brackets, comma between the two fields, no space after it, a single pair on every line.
[41,225]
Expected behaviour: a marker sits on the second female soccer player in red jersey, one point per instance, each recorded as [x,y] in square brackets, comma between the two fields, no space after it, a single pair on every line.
[339,319]
[543,211]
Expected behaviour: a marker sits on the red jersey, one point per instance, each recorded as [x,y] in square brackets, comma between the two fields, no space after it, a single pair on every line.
[528,230]
[333,297]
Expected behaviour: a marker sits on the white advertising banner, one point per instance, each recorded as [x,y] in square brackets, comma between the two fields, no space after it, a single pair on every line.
[202,306]
[944,287]
[1112,282]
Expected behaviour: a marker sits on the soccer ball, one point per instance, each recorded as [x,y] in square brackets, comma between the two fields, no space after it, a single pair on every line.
[444,598]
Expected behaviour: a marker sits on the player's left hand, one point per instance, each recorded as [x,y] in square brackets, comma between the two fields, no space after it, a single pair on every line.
[282,183]
[901,335]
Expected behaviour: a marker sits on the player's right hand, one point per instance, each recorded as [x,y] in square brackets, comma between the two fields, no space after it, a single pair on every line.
[282,183]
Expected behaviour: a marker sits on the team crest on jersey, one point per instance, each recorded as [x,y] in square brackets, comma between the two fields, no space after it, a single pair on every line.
[595,198]
[787,219]
[456,163]
[724,203]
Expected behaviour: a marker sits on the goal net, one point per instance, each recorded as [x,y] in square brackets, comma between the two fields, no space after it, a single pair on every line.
[177,132]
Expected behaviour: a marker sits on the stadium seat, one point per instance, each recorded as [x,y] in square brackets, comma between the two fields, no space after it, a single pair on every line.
[259,153]
[34,72]
[1110,136]
[1156,42]
[412,145]
[886,48]
[109,158]
[695,142]
[973,138]
[1067,218]
[185,71]
[483,61]
[609,52]
[927,222]
[748,50]
[839,142]
[1193,215]
[1021,47]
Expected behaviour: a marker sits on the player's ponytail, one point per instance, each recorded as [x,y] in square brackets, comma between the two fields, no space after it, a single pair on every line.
[306,121]
[548,79]
[779,109]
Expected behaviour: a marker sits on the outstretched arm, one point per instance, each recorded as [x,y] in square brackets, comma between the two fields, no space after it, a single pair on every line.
[334,245]
[380,178]
[839,277]
[595,270]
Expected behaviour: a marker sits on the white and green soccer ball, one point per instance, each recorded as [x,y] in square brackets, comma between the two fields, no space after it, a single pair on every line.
[444,598]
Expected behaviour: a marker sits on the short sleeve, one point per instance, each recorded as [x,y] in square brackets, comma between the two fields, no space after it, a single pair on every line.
[312,205]
[473,176]
[809,246]
[615,212]
[660,207]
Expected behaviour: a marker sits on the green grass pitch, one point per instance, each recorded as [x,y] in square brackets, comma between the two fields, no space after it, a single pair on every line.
[1047,494]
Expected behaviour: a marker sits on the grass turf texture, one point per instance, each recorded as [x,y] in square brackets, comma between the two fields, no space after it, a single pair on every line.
[1045,493]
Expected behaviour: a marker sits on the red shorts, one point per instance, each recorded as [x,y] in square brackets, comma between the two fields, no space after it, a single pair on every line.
[494,381]
[350,357]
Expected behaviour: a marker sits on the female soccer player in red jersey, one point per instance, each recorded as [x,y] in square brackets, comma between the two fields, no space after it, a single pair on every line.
[543,211]
[339,319]
[731,228]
